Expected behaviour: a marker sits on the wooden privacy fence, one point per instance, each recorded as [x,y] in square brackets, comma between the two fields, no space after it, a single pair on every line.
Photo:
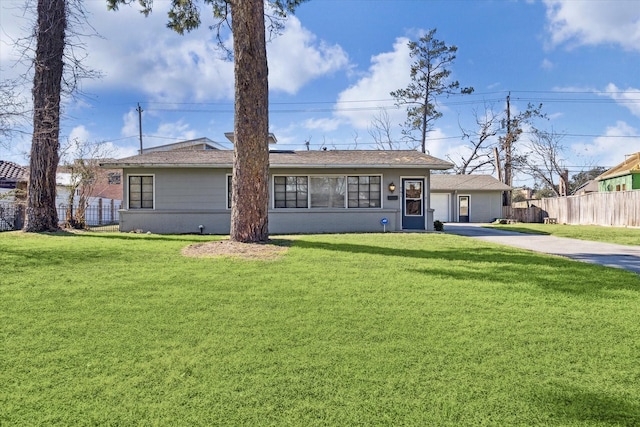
[618,209]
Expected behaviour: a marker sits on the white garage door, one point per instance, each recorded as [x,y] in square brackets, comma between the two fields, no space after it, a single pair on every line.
[441,205]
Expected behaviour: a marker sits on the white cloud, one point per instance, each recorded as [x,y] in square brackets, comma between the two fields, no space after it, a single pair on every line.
[628,98]
[131,124]
[178,130]
[118,152]
[389,71]
[142,54]
[546,64]
[79,133]
[296,57]
[610,149]
[440,145]
[138,53]
[323,124]
[594,22]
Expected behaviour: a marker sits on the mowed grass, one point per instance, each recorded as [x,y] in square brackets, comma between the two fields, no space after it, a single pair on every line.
[619,235]
[373,329]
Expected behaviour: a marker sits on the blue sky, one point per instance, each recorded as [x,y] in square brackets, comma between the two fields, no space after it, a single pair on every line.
[332,69]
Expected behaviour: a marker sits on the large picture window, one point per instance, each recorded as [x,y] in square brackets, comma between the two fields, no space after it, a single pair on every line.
[330,192]
[327,191]
[140,192]
[291,191]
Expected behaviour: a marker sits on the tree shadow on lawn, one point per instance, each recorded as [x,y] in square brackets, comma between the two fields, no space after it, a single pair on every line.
[191,238]
[576,405]
[500,264]
[519,229]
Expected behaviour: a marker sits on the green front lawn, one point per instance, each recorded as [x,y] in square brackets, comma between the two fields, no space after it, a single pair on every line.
[373,329]
[619,235]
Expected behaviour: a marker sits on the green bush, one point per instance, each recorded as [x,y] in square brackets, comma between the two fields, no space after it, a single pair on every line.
[438,225]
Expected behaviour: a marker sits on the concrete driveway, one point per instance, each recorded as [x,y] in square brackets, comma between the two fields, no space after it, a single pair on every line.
[608,254]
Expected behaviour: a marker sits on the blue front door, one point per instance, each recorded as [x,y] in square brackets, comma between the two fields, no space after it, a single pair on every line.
[413,203]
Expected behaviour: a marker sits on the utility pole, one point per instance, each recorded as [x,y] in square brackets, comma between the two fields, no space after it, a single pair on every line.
[139,110]
[507,155]
[496,159]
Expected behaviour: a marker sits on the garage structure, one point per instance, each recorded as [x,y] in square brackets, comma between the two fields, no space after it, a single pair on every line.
[466,198]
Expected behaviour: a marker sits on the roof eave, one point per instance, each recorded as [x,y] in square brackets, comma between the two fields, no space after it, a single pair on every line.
[164,165]
[275,165]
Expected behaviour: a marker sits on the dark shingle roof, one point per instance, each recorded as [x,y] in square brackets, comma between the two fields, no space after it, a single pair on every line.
[10,171]
[290,159]
[466,183]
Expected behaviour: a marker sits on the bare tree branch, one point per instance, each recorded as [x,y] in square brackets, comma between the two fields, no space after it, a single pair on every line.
[543,160]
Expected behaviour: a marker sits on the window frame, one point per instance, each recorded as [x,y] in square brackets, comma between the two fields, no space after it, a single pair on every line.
[153,191]
[359,191]
[229,178]
[287,192]
[346,191]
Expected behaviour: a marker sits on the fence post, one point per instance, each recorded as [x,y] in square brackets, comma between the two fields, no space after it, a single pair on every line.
[19,217]
[100,211]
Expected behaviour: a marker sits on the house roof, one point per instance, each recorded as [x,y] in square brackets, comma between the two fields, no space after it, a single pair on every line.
[192,144]
[630,165]
[287,159]
[445,182]
[13,172]
[590,186]
[231,136]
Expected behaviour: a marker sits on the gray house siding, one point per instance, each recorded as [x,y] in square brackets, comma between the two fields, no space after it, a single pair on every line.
[186,198]
[484,193]
[484,206]
[178,191]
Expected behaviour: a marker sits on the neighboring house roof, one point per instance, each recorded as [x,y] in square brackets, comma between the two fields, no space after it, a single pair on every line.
[443,182]
[192,144]
[12,173]
[590,186]
[271,138]
[629,166]
[292,159]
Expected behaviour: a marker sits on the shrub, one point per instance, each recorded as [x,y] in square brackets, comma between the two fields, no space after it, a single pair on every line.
[438,225]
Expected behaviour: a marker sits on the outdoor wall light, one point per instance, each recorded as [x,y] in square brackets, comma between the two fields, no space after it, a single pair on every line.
[392,187]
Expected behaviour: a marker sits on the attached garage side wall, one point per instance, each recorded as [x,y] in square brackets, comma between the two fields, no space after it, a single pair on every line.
[485,206]
[442,206]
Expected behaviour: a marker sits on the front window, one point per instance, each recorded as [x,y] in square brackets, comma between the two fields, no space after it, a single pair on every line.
[291,191]
[330,192]
[141,192]
[364,191]
[327,191]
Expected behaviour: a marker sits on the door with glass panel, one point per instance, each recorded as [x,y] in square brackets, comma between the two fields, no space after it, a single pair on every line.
[463,208]
[413,204]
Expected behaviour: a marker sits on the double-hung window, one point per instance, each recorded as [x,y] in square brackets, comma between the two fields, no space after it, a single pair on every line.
[140,192]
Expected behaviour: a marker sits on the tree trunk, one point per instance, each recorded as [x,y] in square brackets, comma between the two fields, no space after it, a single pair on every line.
[250,190]
[41,212]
